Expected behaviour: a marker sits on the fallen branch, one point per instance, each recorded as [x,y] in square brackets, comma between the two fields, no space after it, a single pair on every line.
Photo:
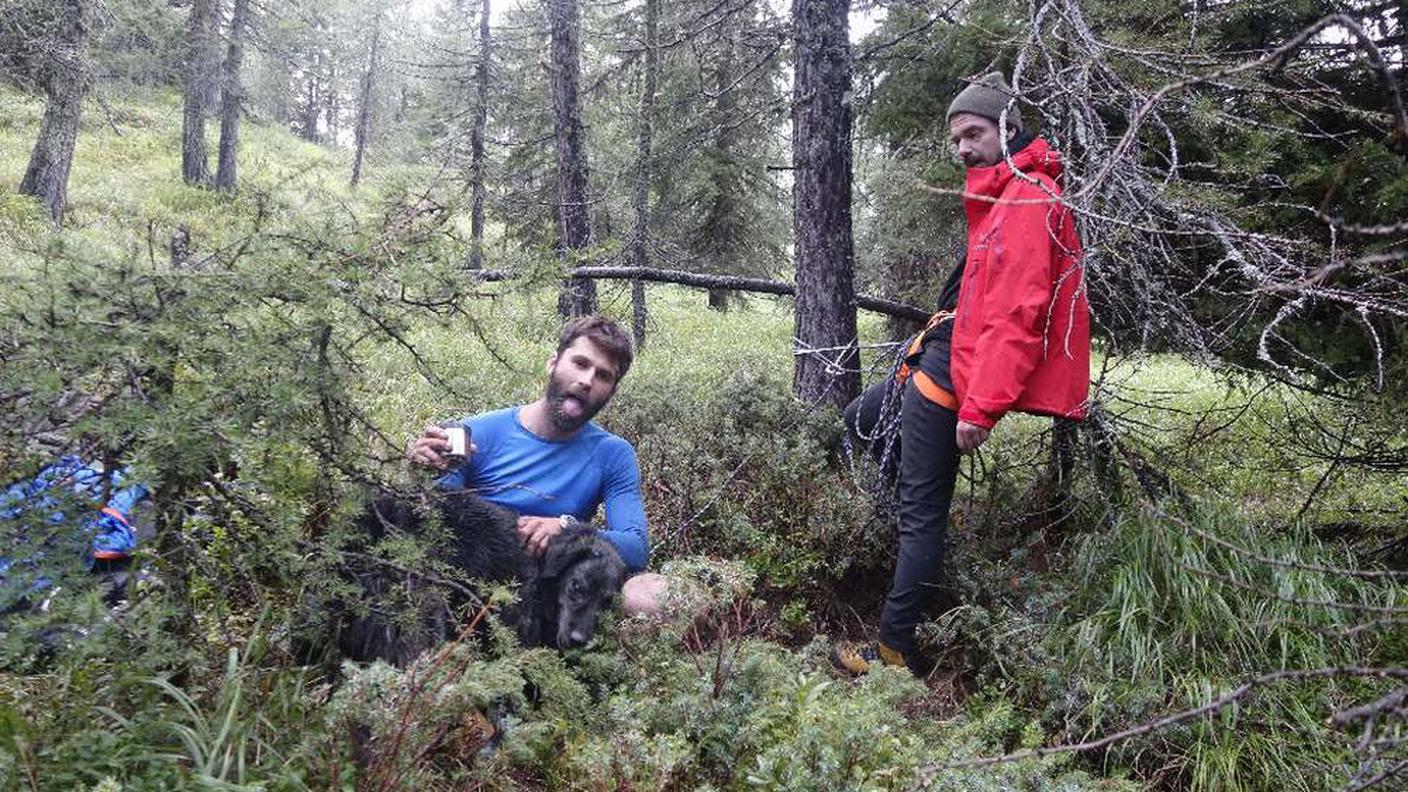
[1212,707]
[726,282]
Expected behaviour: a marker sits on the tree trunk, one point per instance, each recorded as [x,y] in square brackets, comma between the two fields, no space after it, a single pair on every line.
[210,86]
[308,125]
[364,108]
[1065,441]
[821,220]
[312,100]
[724,222]
[201,80]
[574,225]
[330,108]
[1401,16]
[46,176]
[226,176]
[477,164]
[641,199]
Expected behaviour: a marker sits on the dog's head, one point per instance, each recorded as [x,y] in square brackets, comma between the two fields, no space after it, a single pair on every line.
[586,574]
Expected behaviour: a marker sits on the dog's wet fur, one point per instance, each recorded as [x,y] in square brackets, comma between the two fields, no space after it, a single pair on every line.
[561,595]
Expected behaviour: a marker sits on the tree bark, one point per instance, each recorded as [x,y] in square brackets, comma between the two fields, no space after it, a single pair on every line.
[231,95]
[308,125]
[821,220]
[723,224]
[574,225]
[477,165]
[1058,496]
[330,105]
[364,107]
[641,199]
[1401,16]
[66,83]
[201,72]
[312,98]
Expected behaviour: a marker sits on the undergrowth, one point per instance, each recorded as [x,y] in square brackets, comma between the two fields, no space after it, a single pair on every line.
[263,389]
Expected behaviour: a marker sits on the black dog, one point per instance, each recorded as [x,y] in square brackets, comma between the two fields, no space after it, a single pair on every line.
[560,595]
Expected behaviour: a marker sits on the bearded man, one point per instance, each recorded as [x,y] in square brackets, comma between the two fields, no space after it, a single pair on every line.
[1012,334]
[549,463]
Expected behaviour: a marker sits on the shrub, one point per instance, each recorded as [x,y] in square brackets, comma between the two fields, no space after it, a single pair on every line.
[743,470]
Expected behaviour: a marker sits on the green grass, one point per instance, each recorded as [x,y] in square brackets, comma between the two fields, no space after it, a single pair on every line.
[125,191]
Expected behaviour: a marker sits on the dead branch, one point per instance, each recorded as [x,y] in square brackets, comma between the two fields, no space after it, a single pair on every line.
[1212,707]
[725,282]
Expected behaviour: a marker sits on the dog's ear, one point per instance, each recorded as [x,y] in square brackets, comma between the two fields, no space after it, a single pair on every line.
[564,550]
[612,561]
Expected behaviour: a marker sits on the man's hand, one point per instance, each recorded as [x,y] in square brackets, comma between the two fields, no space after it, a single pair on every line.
[970,436]
[431,448]
[535,532]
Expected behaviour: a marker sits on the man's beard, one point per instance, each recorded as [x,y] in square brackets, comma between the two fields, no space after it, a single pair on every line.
[977,161]
[557,394]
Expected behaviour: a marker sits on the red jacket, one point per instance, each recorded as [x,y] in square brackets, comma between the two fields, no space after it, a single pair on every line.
[1021,337]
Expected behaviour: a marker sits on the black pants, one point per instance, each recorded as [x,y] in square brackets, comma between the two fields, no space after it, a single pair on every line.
[927,472]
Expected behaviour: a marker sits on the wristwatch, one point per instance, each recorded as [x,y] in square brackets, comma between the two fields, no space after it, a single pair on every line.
[567,522]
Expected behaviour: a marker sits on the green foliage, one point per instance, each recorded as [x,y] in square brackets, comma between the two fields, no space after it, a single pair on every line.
[907,240]
[311,329]
[739,714]
[714,201]
[1166,619]
[910,89]
[744,470]
[142,42]
[1249,440]
[231,743]
[93,720]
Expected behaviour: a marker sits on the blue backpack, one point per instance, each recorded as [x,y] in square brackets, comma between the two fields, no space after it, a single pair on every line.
[105,532]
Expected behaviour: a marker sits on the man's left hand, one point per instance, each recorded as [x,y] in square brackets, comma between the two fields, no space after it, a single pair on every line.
[970,436]
[536,532]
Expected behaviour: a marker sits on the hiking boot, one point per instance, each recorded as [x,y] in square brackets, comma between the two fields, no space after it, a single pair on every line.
[859,658]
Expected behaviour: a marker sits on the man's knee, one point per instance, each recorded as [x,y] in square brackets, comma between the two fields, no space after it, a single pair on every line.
[644,595]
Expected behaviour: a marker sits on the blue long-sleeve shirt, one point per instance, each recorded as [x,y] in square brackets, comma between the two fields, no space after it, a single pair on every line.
[543,478]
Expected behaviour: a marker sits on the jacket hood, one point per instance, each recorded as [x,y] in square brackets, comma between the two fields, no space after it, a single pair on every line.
[1036,157]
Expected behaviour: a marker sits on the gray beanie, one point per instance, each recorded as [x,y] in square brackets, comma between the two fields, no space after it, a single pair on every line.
[987,97]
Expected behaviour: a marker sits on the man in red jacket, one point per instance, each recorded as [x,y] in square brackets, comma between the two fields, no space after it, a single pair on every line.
[1012,334]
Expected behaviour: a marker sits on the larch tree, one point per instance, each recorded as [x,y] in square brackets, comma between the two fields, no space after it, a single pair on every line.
[719,208]
[478,164]
[365,99]
[570,146]
[65,77]
[827,363]
[231,94]
[201,89]
[640,197]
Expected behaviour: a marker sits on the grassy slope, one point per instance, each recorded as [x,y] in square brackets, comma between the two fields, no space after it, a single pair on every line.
[1132,611]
